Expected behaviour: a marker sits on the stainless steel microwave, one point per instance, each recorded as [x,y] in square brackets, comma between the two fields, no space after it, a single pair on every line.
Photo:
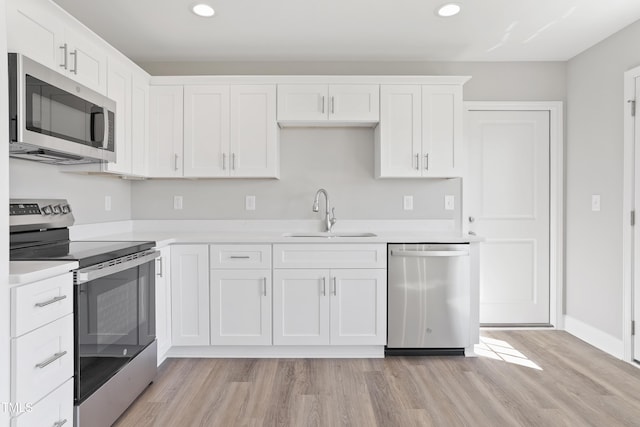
[53,119]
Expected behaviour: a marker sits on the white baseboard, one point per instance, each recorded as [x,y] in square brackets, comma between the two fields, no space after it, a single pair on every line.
[317,352]
[597,338]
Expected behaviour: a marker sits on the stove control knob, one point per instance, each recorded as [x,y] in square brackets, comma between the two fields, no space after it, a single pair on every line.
[57,210]
[47,210]
[66,209]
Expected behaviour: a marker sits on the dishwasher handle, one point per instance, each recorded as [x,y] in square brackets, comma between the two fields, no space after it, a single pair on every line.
[425,254]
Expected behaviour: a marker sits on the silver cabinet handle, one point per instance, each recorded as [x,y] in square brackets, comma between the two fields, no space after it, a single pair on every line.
[239,257]
[333,105]
[417,161]
[322,102]
[233,161]
[472,233]
[175,162]
[64,56]
[264,286]
[471,219]
[160,273]
[335,286]
[224,161]
[51,301]
[51,359]
[324,286]
[60,423]
[74,70]
[423,254]
[426,161]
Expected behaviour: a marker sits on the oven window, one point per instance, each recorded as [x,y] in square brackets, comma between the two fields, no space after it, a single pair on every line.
[115,321]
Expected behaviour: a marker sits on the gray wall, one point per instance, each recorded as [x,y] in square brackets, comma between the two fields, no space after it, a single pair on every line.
[595,114]
[85,193]
[340,160]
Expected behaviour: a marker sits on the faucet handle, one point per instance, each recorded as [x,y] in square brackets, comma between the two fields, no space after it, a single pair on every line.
[333,216]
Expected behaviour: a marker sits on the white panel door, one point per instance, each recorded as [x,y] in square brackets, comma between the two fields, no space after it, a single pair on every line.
[163,302]
[442,131]
[300,307]
[87,60]
[119,90]
[358,307]
[206,131]
[139,125]
[636,229]
[509,206]
[399,145]
[190,294]
[240,307]
[165,131]
[302,102]
[254,131]
[359,103]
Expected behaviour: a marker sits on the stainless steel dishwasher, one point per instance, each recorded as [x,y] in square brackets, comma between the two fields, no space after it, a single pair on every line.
[428,299]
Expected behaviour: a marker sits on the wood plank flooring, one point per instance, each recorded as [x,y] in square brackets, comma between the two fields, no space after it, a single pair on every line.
[526,378]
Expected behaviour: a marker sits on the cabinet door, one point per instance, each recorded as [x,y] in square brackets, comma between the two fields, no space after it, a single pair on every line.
[302,102]
[87,60]
[240,307]
[119,89]
[190,294]
[358,307]
[206,131]
[254,131]
[354,103]
[442,131]
[163,302]
[165,131]
[300,307]
[398,136]
[139,125]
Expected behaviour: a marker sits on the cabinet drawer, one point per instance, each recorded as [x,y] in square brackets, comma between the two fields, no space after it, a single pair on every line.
[330,255]
[240,256]
[42,360]
[39,303]
[54,410]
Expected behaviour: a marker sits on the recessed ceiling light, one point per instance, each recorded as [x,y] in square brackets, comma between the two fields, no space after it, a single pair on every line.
[448,10]
[204,10]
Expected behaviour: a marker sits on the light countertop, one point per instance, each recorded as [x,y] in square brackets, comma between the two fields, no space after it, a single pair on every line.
[22,272]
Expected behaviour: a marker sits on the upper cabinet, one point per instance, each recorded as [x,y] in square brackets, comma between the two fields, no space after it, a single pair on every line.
[420,131]
[301,105]
[119,90]
[165,131]
[41,31]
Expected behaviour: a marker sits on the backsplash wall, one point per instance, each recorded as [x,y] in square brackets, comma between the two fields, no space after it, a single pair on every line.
[341,160]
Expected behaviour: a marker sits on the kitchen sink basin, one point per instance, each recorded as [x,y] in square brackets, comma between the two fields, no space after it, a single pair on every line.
[326,234]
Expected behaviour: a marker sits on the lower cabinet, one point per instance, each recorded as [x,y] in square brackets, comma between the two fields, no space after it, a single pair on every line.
[329,307]
[163,302]
[190,295]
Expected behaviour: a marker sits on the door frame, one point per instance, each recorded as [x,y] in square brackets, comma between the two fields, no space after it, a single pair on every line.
[556,191]
[630,179]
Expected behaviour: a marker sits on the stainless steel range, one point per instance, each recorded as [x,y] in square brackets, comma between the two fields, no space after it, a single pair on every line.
[114,307]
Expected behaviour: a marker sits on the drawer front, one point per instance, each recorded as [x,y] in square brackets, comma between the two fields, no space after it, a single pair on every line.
[42,360]
[330,255]
[54,410]
[39,303]
[240,256]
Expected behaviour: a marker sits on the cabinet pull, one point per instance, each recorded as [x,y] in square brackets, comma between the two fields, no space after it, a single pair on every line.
[175,162]
[239,257]
[418,161]
[60,423]
[64,56]
[335,286]
[74,70]
[324,286]
[51,359]
[264,286]
[224,161]
[233,161]
[323,105]
[333,105]
[51,301]
[426,161]
[159,273]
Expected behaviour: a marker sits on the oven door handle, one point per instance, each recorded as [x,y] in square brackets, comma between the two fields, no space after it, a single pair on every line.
[95,272]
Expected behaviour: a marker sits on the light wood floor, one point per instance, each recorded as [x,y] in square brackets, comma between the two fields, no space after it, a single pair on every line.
[573,384]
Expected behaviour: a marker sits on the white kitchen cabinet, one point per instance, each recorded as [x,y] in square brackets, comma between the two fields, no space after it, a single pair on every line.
[329,294]
[241,307]
[165,131]
[139,123]
[189,295]
[46,34]
[119,89]
[346,103]
[163,302]
[56,409]
[419,134]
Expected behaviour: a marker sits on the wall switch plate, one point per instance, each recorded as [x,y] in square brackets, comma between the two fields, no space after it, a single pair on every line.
[250,203]
[177,202]
[449,202]
[107,203]
[408,203]
[595,203]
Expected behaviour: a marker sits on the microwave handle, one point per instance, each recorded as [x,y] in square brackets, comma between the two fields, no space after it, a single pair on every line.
[105,137]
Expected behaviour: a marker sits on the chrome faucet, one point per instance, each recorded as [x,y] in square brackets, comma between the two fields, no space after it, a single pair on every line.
[328,222]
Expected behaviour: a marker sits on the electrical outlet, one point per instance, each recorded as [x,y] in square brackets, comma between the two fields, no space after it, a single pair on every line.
[595,203]
[250,203]
[449,203]
[177,202]
[107,203]
[408,203]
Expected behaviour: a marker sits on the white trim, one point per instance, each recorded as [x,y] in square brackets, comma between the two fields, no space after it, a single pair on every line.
[594,336]
[321,79]
[628,203]
[282,351]
[556,195]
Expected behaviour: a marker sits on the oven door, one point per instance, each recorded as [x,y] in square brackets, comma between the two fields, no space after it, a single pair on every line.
[114,318]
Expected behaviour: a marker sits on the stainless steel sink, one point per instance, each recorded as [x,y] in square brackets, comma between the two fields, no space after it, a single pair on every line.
[326,234]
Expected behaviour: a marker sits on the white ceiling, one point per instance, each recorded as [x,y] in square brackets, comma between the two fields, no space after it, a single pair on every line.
[354,30]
